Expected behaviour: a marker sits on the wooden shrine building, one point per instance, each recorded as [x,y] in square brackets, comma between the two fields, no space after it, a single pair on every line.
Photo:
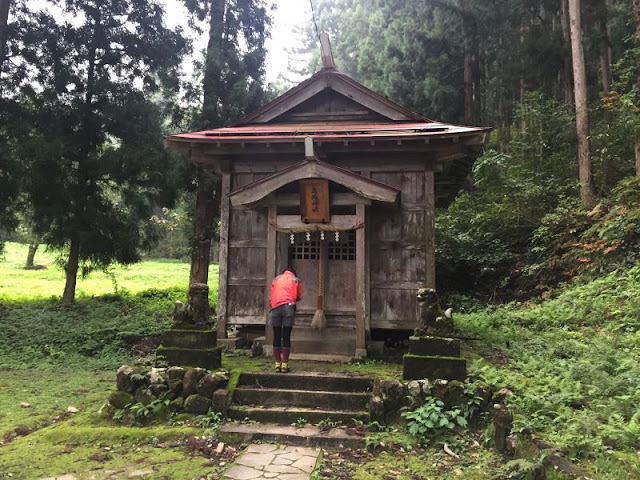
[341,184]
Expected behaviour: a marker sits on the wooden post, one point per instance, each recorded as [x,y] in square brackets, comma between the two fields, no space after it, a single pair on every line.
[271,270]
[224,253]
[367,267]
[429,229]
[361,297]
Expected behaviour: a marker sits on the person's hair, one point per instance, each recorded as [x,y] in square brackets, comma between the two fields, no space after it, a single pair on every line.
[291,270]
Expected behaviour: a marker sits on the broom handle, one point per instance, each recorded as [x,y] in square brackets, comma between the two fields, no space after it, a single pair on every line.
[321,268]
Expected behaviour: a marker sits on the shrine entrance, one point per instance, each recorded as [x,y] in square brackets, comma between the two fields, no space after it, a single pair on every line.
[320,232]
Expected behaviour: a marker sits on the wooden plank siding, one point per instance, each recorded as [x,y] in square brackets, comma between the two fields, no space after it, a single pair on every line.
[246,258]
[398,251]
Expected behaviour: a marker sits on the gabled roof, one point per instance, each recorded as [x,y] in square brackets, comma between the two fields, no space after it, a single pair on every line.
[365,187]
[332,79]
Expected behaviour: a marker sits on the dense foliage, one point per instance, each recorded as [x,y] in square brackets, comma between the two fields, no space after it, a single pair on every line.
[572,363]
[85,126]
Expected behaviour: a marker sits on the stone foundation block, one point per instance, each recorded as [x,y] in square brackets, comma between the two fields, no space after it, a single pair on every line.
[209,358]
[434,346]
[189,338]
[416,367]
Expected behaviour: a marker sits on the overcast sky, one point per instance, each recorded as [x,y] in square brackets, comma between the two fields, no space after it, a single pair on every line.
[288,13]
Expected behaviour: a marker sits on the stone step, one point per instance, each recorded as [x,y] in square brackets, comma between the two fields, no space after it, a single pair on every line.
[338,346]
[288,415]
[308,436]
[329,334]
[301,398]
[316,381]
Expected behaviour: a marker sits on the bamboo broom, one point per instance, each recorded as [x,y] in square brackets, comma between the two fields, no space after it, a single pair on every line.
[319,321]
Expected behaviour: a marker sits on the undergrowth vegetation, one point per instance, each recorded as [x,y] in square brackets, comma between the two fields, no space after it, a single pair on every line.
[573,363]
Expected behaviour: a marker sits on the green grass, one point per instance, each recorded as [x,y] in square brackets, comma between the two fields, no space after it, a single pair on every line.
[16,283]
[573,363]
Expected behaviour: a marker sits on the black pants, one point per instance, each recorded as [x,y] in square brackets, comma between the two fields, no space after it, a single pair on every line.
[282,337]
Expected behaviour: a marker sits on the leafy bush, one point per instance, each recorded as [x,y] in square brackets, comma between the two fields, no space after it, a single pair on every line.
[431,418]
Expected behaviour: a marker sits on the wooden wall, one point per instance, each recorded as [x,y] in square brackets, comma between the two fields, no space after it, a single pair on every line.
[396,243]
[397,251]
[246,259]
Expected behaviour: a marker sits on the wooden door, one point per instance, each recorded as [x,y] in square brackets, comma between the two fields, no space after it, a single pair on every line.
[340,272]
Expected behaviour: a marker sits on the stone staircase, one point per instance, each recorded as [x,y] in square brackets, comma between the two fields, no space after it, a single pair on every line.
[287,398]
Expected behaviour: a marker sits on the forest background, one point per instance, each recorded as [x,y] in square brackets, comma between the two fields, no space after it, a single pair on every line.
[88,88]
[516,230]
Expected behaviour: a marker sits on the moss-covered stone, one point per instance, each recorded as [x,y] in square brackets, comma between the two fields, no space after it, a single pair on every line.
[176,404]
[144,396]
[434,346]
[415,367]
[197,404]
[209,384]
[189,338]
[159,390]
[219,402]
[191,380]
[121,399]
[174,377]
[209,358]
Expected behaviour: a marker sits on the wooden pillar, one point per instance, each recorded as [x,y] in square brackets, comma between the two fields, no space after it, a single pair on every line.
[224,254]
[367,266]
[270,271]
[430,229]
[361,296]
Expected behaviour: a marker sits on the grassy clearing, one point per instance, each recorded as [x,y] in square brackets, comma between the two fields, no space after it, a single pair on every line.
[16,283]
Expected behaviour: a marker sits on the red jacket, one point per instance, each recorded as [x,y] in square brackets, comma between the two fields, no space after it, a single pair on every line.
[285,288]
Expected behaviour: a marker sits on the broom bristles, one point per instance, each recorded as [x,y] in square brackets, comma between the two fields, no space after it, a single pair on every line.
[319,321]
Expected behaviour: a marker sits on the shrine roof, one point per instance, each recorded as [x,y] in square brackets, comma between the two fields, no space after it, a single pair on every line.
[327,132]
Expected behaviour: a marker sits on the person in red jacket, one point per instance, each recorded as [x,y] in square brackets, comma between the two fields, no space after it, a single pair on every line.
[286,290]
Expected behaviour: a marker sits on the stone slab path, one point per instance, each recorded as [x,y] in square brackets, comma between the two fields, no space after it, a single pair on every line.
[276,462]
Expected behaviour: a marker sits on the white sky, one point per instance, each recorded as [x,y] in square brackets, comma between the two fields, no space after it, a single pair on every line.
[288,13]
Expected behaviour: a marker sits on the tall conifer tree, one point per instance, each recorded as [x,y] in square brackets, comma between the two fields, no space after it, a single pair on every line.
[91,139]
[233,85]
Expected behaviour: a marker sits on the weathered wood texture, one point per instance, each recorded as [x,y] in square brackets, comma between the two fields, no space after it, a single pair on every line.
[247,259]
[224,251]
[328,106]
[398,262]
[396,258]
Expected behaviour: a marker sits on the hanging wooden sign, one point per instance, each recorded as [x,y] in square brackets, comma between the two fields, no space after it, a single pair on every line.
[314,201]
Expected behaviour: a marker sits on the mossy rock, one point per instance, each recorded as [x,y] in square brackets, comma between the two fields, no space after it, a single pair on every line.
[209,384]
[191,380]
[176,404]
[144,395]
[197,404]
[174,376]
[121,399]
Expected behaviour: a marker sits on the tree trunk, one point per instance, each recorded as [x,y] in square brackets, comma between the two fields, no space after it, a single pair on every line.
[71,271]
[582,115]
[212,84]
[636,16]
[31,254]
[564,20]
[4,19]
[207,203]
[468,88]
[605,48]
